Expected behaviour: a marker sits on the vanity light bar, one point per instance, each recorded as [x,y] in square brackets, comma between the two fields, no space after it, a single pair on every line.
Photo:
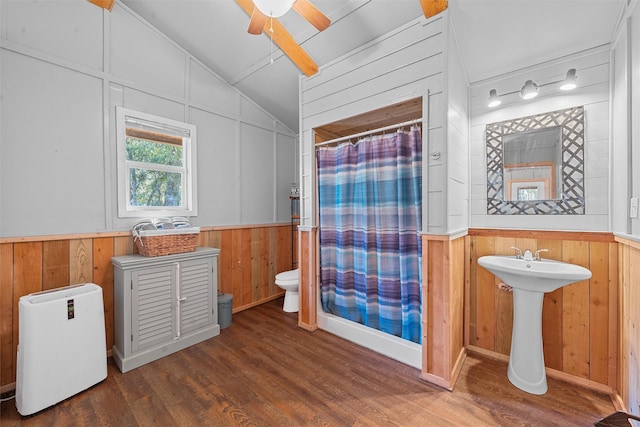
[530,89]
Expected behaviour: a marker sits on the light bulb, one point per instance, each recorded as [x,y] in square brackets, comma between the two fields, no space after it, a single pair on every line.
[569,81]
[494,99]
[529,90]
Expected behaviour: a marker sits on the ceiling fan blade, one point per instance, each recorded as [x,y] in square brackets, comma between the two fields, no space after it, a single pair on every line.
[292,49]
[433,7]
[283,39]
[312,14]
[258,20]
[105,4]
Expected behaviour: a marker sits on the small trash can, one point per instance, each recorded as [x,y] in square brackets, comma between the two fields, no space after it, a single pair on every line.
[225,302]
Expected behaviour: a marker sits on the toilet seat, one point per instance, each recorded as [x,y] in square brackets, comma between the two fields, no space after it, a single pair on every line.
[287,277]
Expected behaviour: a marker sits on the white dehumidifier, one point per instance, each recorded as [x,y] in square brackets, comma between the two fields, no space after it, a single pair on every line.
[61,345]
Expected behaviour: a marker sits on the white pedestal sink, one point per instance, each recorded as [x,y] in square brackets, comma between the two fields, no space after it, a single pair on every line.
[530,279]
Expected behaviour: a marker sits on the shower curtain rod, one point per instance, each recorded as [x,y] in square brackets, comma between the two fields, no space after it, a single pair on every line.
[370,132]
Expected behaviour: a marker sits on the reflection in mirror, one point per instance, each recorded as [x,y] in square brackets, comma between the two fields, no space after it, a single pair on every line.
[532,160]
[535,164]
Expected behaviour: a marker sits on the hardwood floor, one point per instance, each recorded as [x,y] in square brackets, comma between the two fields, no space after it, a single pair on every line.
[265,371]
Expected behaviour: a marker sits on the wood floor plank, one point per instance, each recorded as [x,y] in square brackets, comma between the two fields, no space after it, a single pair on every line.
[265,371]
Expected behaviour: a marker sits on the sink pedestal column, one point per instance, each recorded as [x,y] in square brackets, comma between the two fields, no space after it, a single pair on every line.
[526,362]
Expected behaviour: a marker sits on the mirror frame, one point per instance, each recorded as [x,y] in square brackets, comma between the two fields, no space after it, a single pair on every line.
[571,200]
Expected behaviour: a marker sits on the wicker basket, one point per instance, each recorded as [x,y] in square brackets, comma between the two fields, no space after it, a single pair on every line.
[166,242]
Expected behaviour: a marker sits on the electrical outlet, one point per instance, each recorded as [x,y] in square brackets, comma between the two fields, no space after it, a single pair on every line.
[633,208]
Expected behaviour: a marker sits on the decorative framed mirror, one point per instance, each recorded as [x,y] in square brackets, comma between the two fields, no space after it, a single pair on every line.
[535,164]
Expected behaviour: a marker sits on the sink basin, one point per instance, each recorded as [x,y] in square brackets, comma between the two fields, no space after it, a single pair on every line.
[530,280]
[541,276]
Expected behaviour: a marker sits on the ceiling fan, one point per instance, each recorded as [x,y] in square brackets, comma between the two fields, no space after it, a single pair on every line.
[105,4]
[433,7]
[264,14]
[265,9]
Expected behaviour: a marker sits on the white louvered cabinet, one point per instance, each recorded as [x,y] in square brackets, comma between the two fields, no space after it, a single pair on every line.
[163,304]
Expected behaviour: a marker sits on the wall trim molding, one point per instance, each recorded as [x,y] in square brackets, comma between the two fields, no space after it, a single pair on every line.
[592,236]
[127,233]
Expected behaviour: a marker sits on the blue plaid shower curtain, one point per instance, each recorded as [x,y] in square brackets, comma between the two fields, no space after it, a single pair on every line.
[370,203]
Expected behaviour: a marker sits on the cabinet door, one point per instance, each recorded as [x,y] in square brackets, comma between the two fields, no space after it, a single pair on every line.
[152,306]
[196,294]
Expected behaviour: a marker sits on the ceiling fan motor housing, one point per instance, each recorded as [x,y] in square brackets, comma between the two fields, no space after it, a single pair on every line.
[274,8]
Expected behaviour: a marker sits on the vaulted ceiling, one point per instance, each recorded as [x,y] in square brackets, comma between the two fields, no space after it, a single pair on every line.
[494,36]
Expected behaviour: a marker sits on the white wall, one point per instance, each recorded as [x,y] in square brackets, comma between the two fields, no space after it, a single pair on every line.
[65,66]
[404,64]
[626,102]
[592,92]
[620,162]
[457,207]
[632,117]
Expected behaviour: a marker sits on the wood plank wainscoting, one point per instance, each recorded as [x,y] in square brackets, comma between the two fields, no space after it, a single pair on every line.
[579,325]
[309,278]
[629,323]
[443,280]
[250,257]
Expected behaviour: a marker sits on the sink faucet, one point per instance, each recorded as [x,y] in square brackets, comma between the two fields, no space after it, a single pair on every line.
[537,254]
[528,255]
[518,252]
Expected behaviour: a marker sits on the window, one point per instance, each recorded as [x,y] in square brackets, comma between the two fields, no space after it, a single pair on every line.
[528,193]
[156,166]
[526,189]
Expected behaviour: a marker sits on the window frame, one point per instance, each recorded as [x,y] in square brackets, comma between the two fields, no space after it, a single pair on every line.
[127,118]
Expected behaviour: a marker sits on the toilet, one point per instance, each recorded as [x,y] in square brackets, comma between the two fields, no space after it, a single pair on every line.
[288,280]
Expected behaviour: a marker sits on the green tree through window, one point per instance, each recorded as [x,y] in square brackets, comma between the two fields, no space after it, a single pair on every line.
[150,185]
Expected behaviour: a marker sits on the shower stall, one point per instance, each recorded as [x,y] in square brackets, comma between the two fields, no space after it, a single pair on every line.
[370,210]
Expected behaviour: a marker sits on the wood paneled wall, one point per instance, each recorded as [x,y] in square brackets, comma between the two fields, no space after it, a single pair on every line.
[443,279]
[250,257]
[309,280]
[579,325]
[629,324]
